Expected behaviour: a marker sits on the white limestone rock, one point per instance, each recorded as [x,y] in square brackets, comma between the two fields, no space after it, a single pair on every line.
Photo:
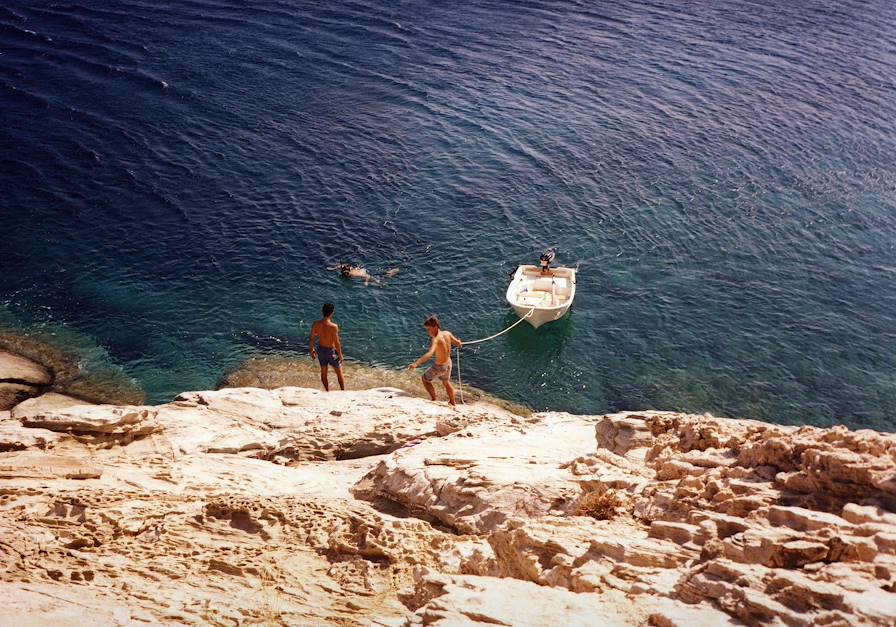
[310,425]
[294,506]
[15,437]
[474,483]
[471,600]
[94,419]
[49,402]
[41,605]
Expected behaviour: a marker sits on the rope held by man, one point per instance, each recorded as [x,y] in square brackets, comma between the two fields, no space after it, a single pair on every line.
[460,387]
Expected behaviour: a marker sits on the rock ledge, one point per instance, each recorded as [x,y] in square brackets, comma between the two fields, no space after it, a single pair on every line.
[293,506]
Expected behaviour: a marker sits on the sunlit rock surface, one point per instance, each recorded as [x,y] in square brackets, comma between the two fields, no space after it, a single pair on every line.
[293,506]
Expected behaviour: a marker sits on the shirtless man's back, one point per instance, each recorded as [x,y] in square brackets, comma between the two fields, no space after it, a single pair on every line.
[329,349]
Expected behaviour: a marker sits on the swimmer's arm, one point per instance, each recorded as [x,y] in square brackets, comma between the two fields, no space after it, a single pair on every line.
[426,356]
[455,341]
[311,337]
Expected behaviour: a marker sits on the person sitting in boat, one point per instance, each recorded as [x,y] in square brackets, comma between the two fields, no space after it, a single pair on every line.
[545,260]
[442,341]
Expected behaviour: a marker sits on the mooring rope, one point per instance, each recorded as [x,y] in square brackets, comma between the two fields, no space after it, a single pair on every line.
[460,386]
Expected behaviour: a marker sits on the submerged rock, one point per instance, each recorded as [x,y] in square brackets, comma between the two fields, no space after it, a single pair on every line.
[46,367]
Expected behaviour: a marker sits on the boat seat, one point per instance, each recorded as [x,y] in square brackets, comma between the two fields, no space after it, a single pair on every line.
[534,298]
[559,284]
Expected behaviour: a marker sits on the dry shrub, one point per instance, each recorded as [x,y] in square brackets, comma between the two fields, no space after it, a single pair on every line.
[599,505]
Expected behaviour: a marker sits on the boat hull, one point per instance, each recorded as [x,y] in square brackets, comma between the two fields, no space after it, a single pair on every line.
[540,298]
[539,317]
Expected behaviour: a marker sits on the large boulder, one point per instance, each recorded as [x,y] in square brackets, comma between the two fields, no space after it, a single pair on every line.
[22,370]
[20,379]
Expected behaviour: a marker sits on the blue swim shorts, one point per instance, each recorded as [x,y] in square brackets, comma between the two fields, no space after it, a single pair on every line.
[327,356]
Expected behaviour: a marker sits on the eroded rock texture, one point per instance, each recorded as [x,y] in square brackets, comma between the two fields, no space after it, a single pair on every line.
[297,507]
[717,520]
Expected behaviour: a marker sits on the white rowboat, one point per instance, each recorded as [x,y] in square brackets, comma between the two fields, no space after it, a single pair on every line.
[550,293]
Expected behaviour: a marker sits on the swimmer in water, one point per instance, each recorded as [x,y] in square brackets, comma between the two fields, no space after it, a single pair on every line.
[348,271]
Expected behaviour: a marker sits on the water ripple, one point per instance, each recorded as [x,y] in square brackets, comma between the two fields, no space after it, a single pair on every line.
[177,179]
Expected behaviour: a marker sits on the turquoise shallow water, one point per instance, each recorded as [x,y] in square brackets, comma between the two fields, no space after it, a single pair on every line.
[174,182]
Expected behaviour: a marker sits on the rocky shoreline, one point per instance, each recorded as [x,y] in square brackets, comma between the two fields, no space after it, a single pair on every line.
[291,506]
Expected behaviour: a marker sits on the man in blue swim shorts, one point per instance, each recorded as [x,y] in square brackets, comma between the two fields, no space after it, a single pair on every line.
[329,350]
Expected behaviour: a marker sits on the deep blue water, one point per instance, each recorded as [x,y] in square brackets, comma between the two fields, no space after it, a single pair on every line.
[175,178]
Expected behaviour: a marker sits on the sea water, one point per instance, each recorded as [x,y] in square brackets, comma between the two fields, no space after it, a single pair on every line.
[175,179]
